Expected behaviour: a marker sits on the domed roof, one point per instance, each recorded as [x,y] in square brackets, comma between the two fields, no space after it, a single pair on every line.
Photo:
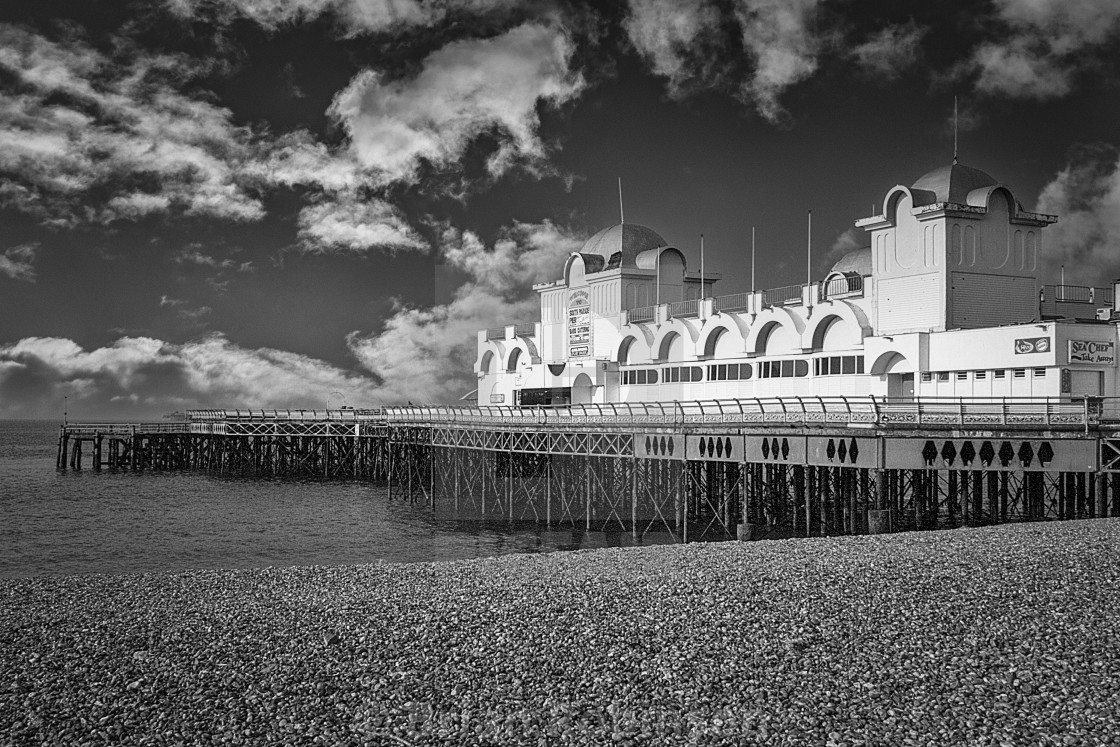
[627,240]
[857,261]
[950,183]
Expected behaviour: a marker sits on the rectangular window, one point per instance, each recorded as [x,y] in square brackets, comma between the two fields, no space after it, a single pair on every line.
[849,364]
[942,375]
[787,369]
[962,375]
[653,376]
[1020,373]
[927,376]
[859,364]
[980,375]
[1039,373]
[697,373]
[641,379]
[733,371]
[1001,374]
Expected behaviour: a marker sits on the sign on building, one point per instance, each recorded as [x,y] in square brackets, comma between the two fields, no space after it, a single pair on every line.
[579,324]
[1092,351]
[1026,345]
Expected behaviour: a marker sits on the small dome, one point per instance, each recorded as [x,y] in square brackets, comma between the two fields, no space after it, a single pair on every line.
[950,183]
[857,262]
[620,245]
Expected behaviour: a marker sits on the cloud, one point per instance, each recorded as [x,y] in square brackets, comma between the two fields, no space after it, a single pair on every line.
[86,138]
[777,34]
[1085,196]
[1047,43]
[890,50]
[666,31]
[349,223]
[426,355]
[144,377]
[463,90]
[354,16]
[684,41]
[17,262]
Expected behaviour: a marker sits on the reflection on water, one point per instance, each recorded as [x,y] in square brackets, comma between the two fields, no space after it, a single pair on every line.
[116,522]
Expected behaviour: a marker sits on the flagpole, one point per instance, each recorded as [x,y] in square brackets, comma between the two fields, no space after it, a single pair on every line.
[702,266]
[809,252]
[753,286]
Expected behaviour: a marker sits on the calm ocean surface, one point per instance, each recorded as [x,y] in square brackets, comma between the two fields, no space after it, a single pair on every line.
[123,522]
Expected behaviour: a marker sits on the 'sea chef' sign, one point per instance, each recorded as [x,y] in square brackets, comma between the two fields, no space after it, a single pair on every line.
[1091,351]
[1026,345]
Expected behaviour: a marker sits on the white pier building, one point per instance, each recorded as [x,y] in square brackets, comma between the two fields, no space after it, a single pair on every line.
[944,302]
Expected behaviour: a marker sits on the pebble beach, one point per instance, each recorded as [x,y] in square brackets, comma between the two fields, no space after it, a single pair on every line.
[1005,635]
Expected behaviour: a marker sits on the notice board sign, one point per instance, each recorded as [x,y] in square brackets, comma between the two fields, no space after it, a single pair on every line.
[579,324]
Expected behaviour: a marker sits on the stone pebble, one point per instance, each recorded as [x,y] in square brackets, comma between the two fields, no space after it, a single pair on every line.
[991,636]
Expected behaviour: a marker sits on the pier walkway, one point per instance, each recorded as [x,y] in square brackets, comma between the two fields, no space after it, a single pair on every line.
[747,468]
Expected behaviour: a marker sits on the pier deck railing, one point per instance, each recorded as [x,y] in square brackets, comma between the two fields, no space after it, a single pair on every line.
[805,411]
[867,412]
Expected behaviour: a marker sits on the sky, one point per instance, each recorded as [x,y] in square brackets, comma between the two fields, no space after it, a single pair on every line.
[302,203]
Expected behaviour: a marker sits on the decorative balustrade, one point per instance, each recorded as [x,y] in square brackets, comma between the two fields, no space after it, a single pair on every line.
[524,330]
[642,314]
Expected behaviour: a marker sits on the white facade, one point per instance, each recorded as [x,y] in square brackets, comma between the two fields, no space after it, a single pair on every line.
[945,302]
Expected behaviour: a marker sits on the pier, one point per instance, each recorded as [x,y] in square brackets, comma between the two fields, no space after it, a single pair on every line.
[750,469]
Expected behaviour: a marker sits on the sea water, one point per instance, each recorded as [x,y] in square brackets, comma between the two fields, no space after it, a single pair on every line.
[65,522]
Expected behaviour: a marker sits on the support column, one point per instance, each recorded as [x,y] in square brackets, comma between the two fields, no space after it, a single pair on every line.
[1102,494]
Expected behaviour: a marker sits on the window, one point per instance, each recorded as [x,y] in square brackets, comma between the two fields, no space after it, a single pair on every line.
[942,375]
[962,375]
[999,374]
[1040,373]
[927,376]
[837,364]
[980,375]
[1019,373]
[776,369]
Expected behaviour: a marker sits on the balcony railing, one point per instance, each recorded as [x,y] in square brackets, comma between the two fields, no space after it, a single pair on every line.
[790,294]
[642,314]
[524,330]
[848,286]
[496,333]
[732,302]
[683,309]
[1077,294]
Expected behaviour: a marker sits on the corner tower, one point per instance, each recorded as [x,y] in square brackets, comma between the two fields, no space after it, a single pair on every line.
[954,250]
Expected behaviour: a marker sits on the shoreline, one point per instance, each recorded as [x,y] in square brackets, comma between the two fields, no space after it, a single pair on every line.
[992,635]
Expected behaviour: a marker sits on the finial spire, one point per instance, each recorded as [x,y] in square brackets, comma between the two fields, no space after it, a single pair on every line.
[621,214]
